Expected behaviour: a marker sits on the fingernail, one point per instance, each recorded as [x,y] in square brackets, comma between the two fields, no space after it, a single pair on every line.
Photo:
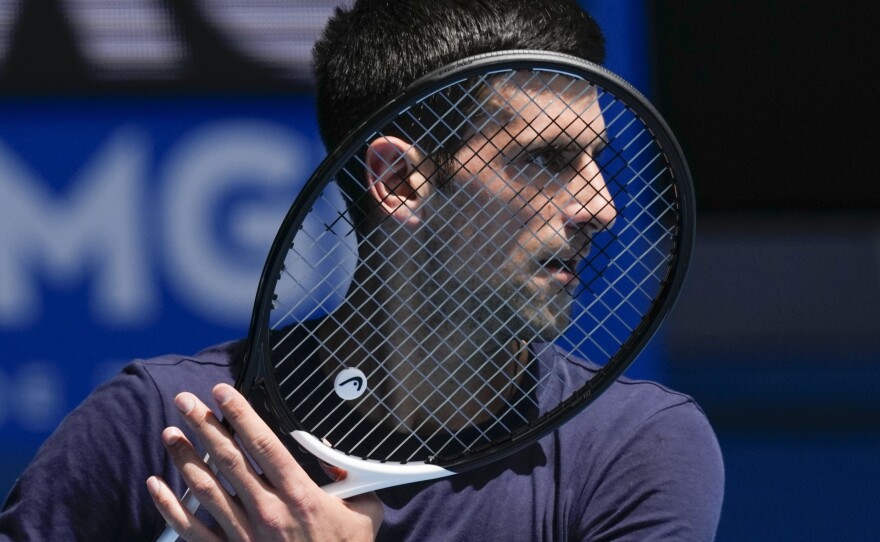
[222,394]
[171,435]
[184,402]
[153,486]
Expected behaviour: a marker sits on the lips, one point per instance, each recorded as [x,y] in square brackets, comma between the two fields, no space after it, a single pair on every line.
[558,265]
[563,265]
[563,270]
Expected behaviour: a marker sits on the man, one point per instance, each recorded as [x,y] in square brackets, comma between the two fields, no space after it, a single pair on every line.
[643,465]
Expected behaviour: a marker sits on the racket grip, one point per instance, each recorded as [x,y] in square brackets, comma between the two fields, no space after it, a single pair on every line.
[363,476]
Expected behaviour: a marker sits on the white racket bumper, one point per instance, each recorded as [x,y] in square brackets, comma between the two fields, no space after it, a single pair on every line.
[364,475]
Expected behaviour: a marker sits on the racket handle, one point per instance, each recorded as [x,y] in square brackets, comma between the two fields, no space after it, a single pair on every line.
[363,476]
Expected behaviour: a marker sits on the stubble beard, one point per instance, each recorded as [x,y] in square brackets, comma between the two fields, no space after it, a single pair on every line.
[507,305]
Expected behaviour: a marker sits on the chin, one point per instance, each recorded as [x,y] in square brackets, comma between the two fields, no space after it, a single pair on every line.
[547,319]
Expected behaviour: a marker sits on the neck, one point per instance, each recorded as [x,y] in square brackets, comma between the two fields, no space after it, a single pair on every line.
[430,359]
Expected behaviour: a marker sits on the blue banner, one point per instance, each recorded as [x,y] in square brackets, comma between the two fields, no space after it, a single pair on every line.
[132,227]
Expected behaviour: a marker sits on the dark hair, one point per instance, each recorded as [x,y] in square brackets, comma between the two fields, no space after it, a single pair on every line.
[372,52]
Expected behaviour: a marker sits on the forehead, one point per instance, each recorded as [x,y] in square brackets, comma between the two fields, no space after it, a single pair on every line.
[542,104]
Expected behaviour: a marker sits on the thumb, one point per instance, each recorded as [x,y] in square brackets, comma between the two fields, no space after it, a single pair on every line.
[370,507]
[367,505]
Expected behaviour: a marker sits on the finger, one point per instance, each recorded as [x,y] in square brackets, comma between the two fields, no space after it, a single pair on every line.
[204,484]
[369,507]
[184,523]
[264,446]
[222,448]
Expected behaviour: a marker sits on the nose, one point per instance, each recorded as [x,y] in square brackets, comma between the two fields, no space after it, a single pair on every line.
[589,204]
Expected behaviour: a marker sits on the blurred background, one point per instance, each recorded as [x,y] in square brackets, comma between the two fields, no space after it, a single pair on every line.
[148,149]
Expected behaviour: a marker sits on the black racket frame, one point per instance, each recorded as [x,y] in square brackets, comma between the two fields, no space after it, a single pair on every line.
[255,370]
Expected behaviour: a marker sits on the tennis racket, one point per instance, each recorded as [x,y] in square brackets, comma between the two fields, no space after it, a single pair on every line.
[512,221]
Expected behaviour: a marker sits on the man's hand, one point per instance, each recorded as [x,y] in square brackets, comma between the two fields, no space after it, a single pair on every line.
[282,504]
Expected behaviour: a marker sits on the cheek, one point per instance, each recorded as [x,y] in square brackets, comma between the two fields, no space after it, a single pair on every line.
[512,236]
[496,220]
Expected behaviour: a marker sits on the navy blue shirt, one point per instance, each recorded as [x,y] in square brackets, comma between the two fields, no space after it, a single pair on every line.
[641,463]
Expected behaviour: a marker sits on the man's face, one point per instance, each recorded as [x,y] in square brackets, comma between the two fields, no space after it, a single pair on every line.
[523,203]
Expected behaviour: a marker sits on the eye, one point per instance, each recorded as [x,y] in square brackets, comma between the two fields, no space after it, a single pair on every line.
[549,158]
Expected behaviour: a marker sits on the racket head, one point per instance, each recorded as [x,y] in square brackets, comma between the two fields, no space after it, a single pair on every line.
[625,286]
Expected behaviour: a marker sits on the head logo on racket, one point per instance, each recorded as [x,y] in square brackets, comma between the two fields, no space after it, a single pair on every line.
[350,383]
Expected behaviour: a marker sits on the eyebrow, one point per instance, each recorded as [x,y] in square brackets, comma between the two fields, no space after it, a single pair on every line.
[561,136]
[493,107]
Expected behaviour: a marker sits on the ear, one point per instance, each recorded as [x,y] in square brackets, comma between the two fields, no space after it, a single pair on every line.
[394,179]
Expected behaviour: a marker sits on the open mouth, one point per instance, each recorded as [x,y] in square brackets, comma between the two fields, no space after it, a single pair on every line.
[563,270]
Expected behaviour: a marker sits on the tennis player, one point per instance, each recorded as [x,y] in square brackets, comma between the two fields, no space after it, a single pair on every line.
[644,463]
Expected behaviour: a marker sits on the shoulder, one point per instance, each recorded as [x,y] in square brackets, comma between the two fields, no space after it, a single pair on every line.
[626,407]
[652,425]
[656,470]
[171,374]
[87,480]
[141,387]
[148,387]
[630,407]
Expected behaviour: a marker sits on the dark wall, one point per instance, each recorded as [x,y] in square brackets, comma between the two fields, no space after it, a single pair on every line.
[777,332]
[775,101]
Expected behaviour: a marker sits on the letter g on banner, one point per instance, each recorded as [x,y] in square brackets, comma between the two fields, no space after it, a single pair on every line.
[226,187]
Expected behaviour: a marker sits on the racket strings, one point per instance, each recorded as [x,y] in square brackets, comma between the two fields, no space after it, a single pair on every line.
[624,287]
[451,375]
[429,377]
[563,129]
[619,291]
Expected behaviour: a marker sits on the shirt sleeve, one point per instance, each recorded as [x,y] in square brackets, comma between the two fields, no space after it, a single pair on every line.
[87,481]
[664,481]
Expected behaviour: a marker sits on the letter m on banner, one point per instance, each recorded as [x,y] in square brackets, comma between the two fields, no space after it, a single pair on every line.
[95,228]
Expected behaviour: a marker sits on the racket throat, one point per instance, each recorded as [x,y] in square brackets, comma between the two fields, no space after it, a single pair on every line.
[362,475]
